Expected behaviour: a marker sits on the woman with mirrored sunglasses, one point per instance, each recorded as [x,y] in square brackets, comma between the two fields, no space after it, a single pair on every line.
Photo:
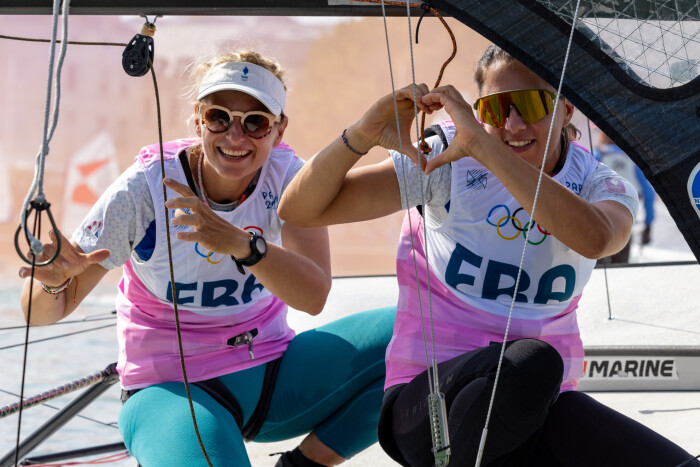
[237,267]
[466,246]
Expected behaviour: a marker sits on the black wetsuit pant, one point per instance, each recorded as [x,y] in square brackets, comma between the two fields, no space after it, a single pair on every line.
[531,423]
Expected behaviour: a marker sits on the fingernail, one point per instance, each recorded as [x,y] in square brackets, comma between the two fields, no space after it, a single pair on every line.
[167,180]
[65,264]
[168,203]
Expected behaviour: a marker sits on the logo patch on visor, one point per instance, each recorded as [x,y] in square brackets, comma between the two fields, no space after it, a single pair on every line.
[244,77]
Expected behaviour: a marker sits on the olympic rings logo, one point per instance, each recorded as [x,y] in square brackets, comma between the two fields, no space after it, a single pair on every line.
[516,223]
[212,257]
[208,256]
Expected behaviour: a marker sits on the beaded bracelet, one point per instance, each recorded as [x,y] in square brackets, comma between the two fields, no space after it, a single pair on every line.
[347,145]
[58,289]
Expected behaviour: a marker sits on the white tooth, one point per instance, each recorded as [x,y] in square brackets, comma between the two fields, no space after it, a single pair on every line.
[518,144]
[234,153]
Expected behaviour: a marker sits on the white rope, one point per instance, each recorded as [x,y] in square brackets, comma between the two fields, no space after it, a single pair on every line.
[37,186]
[484,432]
[434,387]
[405,182]
[435,401]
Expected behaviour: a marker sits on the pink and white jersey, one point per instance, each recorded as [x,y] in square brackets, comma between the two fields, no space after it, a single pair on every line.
[474,256]
[215,301]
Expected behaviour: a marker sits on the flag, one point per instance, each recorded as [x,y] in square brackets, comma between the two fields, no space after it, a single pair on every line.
[90,171]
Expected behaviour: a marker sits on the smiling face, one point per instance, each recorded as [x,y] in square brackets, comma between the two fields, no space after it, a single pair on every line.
[234,157]
[528,140]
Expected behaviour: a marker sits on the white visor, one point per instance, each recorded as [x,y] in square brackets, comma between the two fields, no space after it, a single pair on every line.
[245,77]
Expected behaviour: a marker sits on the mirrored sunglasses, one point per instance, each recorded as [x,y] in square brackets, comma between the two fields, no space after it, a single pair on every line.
[532,105]
[256,124]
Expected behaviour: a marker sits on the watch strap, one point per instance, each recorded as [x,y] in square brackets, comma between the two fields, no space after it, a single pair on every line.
[255,255]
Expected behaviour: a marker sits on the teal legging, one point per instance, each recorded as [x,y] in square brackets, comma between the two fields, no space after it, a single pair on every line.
[330,381]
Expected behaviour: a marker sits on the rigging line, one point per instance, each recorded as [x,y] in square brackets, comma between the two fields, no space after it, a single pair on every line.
[484,432]
[423,145]
[41,399]
[38,182]
[172,269]
[420,134]
[605,264]
[100,460]
[403,171]
[33,39]
[405,182]
[436,401]
[427,7]
[90,419]
[37,229]
[439,435]
[434,385]
[74,321]
[56,337]
[425,149]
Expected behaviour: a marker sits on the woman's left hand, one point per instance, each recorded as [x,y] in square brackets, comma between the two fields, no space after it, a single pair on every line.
[377,127]
[209,230]
[467,128]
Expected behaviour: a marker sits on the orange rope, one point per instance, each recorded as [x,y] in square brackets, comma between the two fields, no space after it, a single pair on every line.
[425,148]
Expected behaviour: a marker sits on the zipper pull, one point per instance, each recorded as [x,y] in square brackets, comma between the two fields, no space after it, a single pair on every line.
[250,348]
[244,338]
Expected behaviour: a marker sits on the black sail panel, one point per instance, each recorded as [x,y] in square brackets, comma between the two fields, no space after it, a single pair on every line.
[632,70]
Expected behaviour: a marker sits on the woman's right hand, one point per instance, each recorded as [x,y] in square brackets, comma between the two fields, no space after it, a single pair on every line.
[377,127]
[467,128]
[69,263]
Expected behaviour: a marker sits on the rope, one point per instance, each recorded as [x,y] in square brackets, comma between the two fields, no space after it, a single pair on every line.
[31,39]
[73,321]
[38,182]
[438,422]
[101,460]
[484,432]
[172,272]
[55,392]
[425,148]
[605,263]
[57,337]
[44,404]
[37,223]
[37,185]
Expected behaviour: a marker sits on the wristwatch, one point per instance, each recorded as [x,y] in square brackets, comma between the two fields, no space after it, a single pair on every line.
[258,250]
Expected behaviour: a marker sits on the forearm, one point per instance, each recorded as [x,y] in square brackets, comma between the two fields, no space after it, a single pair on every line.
[319,182]
[49,308]
[45,308]
[293,278]
[575,222]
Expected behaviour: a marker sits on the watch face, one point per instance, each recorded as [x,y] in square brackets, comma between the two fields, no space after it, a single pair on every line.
[261,245]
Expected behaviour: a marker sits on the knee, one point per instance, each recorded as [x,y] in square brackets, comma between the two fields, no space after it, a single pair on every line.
[381,322]
[535,364]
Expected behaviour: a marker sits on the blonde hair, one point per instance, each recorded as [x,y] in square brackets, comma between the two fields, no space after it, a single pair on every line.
[241,55]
